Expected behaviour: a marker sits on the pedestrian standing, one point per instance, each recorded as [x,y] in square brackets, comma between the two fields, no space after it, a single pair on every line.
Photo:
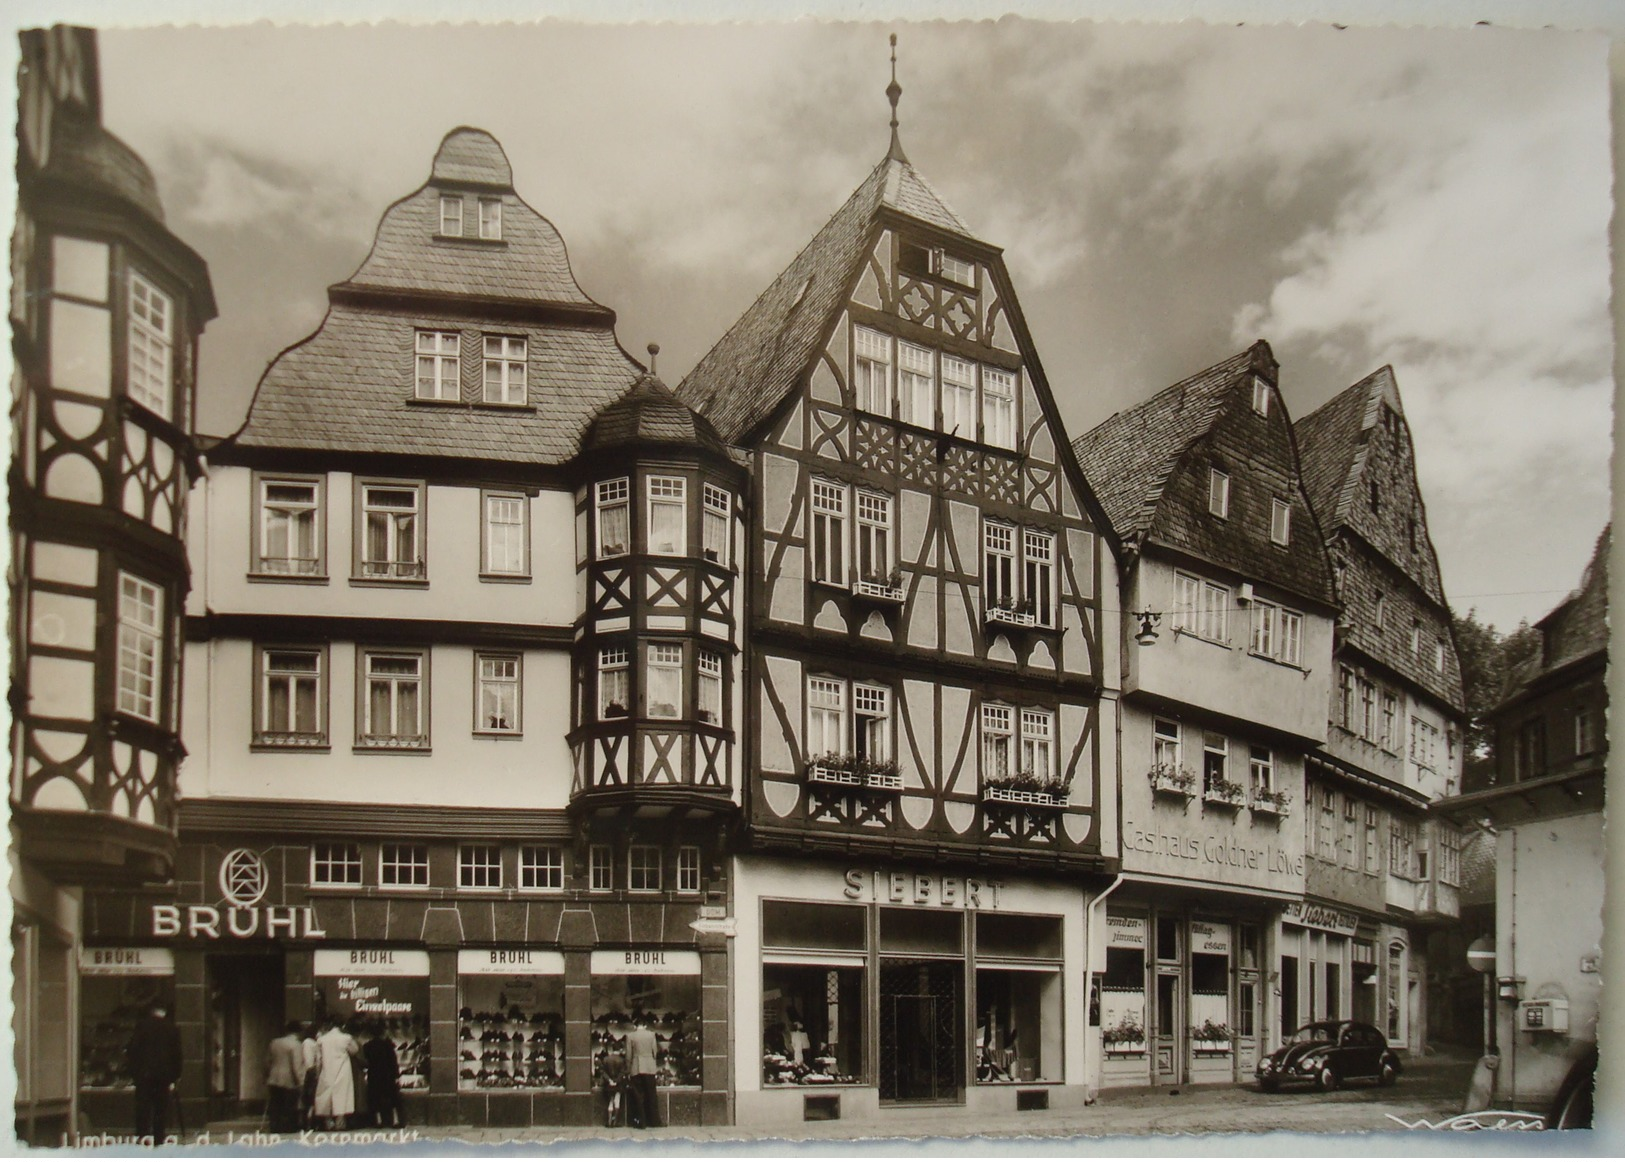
[154,1057]
[284,1079]
[383,1079]
[307,1096]
[361,1115]
[335,1081]
[642,1053]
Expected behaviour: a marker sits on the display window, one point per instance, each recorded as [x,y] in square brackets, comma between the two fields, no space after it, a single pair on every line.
[1210,1021]
[385,989]
[814,966]
[510,1020]
[1122,1000]
[117,987]
[1018,998]
[659,986]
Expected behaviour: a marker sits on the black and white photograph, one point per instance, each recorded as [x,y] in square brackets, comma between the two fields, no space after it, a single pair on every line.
[669,582]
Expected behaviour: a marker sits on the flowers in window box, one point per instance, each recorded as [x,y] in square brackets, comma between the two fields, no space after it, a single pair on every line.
[1026,787]
[882,773]
[1273,802]
[1224,791]
[1211,1036]
[1127,1035]
[1171,779]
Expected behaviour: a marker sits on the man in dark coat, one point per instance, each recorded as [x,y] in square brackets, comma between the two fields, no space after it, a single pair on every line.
[642,1059]
[154,1057]
[383,1079]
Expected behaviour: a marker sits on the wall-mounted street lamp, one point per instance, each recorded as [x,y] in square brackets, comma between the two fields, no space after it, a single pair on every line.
[1148,627]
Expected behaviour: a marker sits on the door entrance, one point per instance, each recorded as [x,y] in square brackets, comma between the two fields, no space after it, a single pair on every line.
[245,1013]
[1289,996]
[1169,1025]
[921,1019]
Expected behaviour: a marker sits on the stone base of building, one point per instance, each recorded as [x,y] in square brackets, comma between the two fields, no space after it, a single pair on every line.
[861,1103]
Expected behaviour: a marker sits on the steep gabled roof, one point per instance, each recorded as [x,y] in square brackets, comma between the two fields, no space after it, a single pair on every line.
[1129,458]
[1335,444]
[349,386]
[741,380]
[1576,629]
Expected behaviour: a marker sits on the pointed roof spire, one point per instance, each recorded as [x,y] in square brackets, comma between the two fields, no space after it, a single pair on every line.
[894,91]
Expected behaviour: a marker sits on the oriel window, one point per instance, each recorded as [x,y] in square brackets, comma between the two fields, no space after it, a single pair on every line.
[614,695]
[614,525]
[714,525]
[140,646]
[708,692]
[151,354]
[665,685]
[668,515]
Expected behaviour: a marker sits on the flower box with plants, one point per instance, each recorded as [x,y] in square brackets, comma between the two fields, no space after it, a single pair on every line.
[1224,793]
[1210,1038]
[854,771]
[884,588]
[1026,788]
[1124,1038]
[1009,611]
[1268,802]
[1168,779]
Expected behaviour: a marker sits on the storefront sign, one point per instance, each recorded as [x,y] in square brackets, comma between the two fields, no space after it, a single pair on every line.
[126,962]
[645,962]
[1125,931]
[1321,917]
[509,962]
[1214,851]
[206,922]
[1210,938]
[925,888]
[371,962]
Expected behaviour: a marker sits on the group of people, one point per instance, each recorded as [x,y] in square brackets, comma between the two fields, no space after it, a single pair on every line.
[630,1094]
[333,1075]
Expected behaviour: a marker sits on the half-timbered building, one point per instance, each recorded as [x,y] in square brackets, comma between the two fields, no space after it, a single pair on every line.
[930,758]
[1385,874]
[463,708]
[1229,598]
[106,308]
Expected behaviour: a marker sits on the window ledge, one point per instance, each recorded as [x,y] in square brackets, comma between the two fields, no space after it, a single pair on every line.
[389,582]
[467,240]
[1277,662]
[505,578]
[257,577]
[470,405]
[290,748]
[1194,636]
[390,748]
[501,735]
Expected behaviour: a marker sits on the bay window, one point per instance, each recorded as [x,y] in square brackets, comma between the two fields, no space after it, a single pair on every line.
[140,646]
[612,501]
[614,686]
[665,681]
[151,348]
[715,540]
[708,691]
[668,515]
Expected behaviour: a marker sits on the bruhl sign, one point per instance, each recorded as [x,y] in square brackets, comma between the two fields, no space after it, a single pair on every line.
[244,879]
[921,888]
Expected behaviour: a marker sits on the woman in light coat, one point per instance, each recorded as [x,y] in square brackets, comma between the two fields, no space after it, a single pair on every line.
[335,1082]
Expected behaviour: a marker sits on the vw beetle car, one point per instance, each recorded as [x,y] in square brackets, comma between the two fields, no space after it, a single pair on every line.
[1328,1053]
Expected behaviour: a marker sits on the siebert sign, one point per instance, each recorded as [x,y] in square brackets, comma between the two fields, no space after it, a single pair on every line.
[921,888]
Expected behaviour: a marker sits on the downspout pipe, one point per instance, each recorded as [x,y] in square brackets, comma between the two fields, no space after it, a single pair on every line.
[1091,1044]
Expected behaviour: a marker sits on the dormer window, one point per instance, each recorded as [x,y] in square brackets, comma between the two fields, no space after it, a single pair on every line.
[1261,396]
[912,258]
[491,218]
[1218,493]
[438,372]
[504,369]
[1280,522]
[451,216]
[152,320]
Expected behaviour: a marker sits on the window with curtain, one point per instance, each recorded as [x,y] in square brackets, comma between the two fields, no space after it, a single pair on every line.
[665,687]
[668,515]
[614,518]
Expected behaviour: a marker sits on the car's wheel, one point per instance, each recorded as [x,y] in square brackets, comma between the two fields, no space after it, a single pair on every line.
[1327,1078]
[1389,1074]
[1269,1085]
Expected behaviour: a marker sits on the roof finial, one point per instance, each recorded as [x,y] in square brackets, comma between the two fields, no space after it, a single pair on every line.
[894,91]
[654,350]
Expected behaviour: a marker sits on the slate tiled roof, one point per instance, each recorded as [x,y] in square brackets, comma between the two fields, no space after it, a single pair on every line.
[1577,628]
[650,413]
[1335,444]
[1128,458]
[741,380]
[1477,868]
[1150,467]
[83,153]
[349,387]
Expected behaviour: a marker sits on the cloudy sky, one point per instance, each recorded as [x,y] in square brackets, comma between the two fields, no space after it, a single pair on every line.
[1433,199]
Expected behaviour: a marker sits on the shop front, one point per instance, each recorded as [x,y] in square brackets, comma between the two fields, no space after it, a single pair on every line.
[886,987]
[1335,970]
[503,1010]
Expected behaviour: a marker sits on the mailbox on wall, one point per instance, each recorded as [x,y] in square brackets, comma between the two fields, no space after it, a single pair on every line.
[1547,1015]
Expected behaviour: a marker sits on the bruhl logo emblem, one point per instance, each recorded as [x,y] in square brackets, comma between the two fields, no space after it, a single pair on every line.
[244,879]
